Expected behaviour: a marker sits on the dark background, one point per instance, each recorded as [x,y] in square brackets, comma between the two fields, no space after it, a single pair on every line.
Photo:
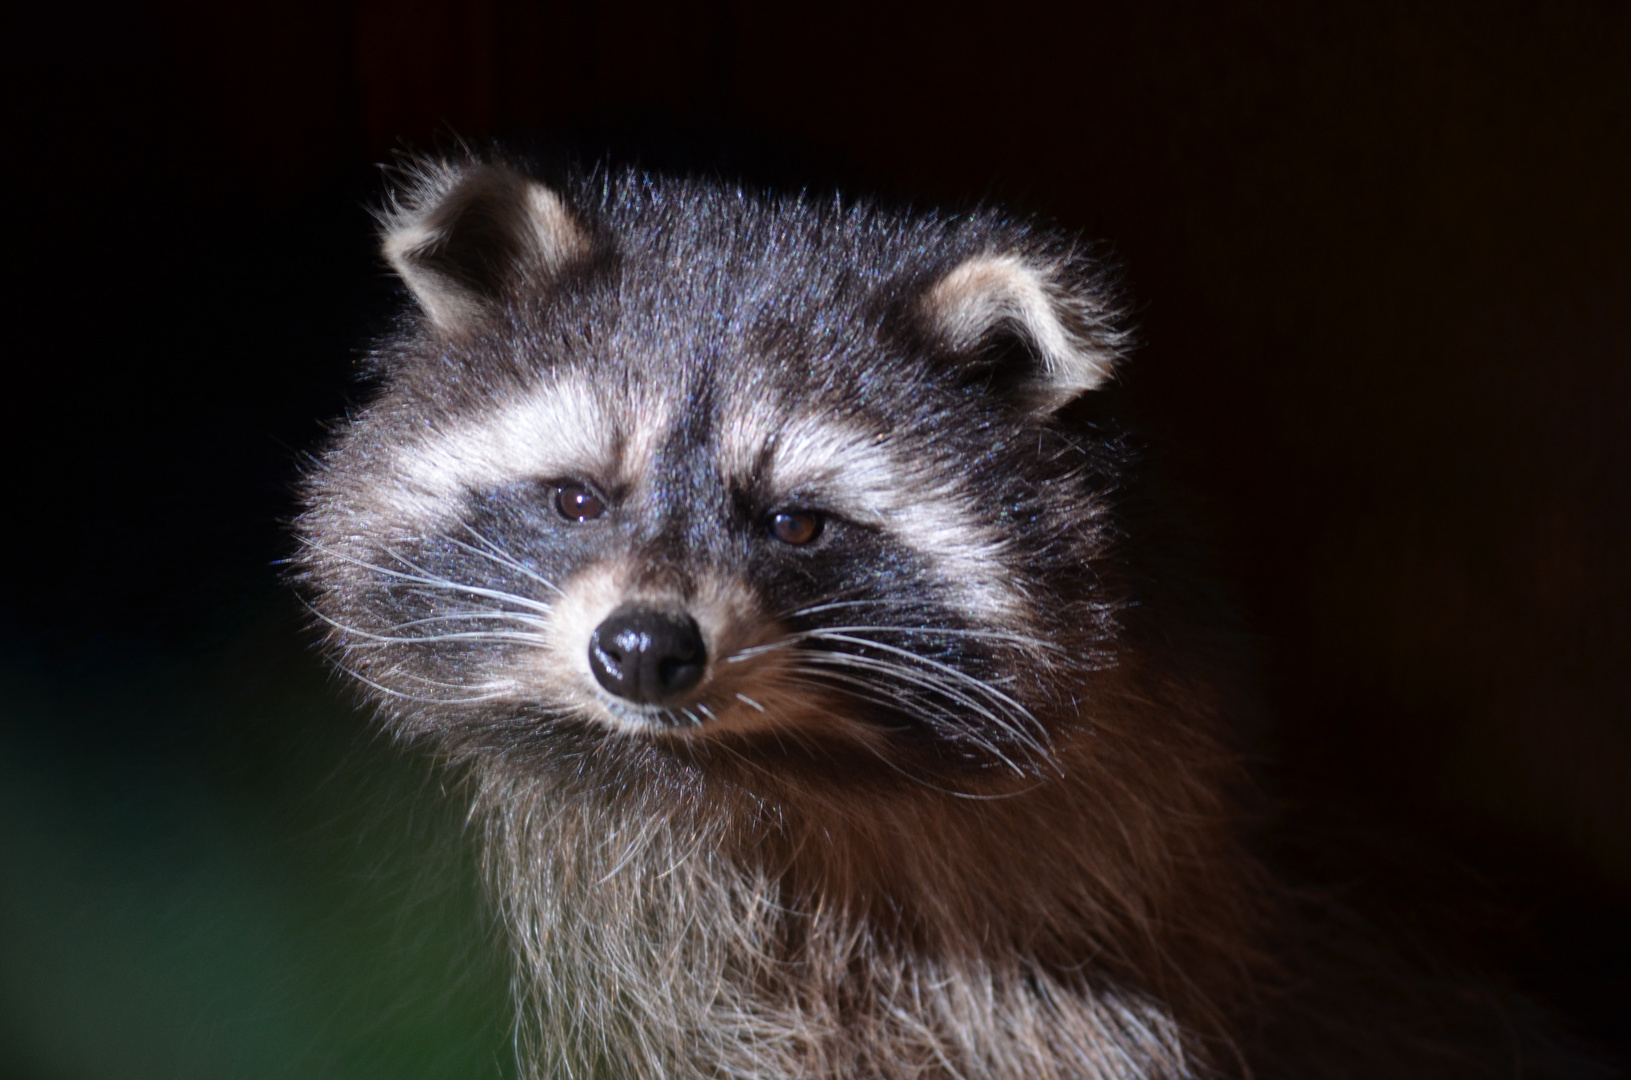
[1383,258]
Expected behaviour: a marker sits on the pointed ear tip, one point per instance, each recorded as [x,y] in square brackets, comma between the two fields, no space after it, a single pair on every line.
[413,187]
[461,233]
[1060,310]
[416,186]
[399,235]
[1084,376]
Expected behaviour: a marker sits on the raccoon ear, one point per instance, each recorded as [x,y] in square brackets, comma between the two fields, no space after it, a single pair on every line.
[460,236]
[1016,320]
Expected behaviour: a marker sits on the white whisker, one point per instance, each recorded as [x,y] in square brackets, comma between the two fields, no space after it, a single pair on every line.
[938,789]
[924,660]
[410,697]
[924,710]
[1006,636]
[421,577]
[462,616]
[492,551]
[474,635]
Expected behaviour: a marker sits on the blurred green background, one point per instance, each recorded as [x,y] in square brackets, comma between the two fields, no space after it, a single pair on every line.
[209,867]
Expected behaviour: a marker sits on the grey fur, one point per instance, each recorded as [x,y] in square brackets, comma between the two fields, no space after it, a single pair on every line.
[959,796]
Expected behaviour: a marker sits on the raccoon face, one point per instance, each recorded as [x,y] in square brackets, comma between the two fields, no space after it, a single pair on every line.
[668,466]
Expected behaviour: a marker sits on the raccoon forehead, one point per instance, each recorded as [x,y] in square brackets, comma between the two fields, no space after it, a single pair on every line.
[566,427]
[874,478]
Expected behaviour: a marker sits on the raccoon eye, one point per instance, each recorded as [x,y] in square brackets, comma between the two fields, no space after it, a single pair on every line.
[578,502]
[795,526]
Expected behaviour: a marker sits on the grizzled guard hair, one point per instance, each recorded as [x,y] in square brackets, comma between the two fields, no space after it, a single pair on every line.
[838,700]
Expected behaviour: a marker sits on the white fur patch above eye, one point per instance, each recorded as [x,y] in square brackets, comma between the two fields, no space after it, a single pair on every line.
[561,429]
[863,476]
[1071,331]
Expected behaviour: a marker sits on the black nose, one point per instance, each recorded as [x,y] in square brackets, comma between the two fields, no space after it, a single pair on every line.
[647,656]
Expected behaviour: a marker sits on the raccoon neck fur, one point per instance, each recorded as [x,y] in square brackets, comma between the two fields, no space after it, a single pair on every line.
[678,927]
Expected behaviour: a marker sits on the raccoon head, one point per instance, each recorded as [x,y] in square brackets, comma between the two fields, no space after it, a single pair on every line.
[660,467]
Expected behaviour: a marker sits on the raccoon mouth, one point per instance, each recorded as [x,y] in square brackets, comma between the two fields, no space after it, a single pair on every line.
[727,700]
[721,700]
[689,717]
[753,713]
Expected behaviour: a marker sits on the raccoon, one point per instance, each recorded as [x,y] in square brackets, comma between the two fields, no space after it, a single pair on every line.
[838,697]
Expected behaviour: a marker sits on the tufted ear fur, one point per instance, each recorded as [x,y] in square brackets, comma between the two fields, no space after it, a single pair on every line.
[1021,322]
[460,236]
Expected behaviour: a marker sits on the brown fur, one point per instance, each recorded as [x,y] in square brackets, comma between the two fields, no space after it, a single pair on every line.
[1050,870]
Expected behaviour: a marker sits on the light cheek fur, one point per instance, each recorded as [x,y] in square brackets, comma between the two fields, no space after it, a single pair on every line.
[559,668]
